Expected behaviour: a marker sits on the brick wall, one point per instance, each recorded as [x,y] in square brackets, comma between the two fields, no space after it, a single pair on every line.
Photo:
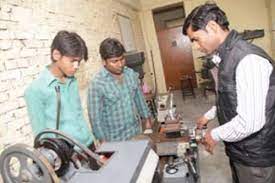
[26,31]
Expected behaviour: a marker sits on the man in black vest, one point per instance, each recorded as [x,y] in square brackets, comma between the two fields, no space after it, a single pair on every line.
[245,96]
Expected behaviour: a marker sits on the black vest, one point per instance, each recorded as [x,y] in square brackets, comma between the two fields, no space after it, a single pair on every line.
[257,149]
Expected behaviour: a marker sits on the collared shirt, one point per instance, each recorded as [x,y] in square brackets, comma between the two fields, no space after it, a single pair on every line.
[114,107]
[252,83]
[41,100]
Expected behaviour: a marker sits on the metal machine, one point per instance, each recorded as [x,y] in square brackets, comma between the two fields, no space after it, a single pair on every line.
[62,159]
[57,158]
[176,143]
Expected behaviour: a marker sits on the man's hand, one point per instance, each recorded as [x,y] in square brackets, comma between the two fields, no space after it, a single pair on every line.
[209,142]
[201,121]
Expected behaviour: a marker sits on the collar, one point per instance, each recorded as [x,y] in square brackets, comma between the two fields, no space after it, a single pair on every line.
[49,78]
[106,73]
[229,42]
[216,59]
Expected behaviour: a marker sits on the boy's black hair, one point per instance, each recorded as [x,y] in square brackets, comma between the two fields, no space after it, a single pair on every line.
[201,15]
[110,48]
[69,44]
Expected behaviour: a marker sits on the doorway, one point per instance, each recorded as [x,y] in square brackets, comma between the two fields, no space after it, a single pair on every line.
[175,48]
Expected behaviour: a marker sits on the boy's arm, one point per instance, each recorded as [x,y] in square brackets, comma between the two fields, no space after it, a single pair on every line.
[95,108]
[35,109]
[142,107]
[79,108]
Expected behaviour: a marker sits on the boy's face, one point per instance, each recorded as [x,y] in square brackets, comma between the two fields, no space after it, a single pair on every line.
[67,65]
[115,65]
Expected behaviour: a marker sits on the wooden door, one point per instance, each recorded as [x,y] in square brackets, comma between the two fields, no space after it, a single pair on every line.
[177,58]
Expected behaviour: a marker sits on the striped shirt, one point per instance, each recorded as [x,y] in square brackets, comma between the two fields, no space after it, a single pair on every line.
[114,108]
[252,83]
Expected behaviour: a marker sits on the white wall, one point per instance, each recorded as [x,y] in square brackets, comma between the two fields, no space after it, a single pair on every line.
[242,14]
[26,32]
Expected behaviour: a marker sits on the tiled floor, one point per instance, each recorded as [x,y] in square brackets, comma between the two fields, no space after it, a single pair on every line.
[213,168]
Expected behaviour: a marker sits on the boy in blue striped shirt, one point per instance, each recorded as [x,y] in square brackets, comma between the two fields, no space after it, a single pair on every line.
[115,99]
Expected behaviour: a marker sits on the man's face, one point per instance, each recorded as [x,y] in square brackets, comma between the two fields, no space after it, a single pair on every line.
[68,65]
[205,40]
[115,65]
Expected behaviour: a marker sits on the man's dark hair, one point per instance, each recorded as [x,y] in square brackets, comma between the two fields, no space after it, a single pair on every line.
[69,44]
[110,48]
[201,15]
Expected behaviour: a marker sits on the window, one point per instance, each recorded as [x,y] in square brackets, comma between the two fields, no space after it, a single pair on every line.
[127,33]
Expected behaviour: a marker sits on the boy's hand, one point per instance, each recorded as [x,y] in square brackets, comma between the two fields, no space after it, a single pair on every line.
[148,123]
[148,131]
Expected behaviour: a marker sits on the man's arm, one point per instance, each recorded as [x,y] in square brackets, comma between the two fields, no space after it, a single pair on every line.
[252,77]
[209,115]
[95,107]
[35,109]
